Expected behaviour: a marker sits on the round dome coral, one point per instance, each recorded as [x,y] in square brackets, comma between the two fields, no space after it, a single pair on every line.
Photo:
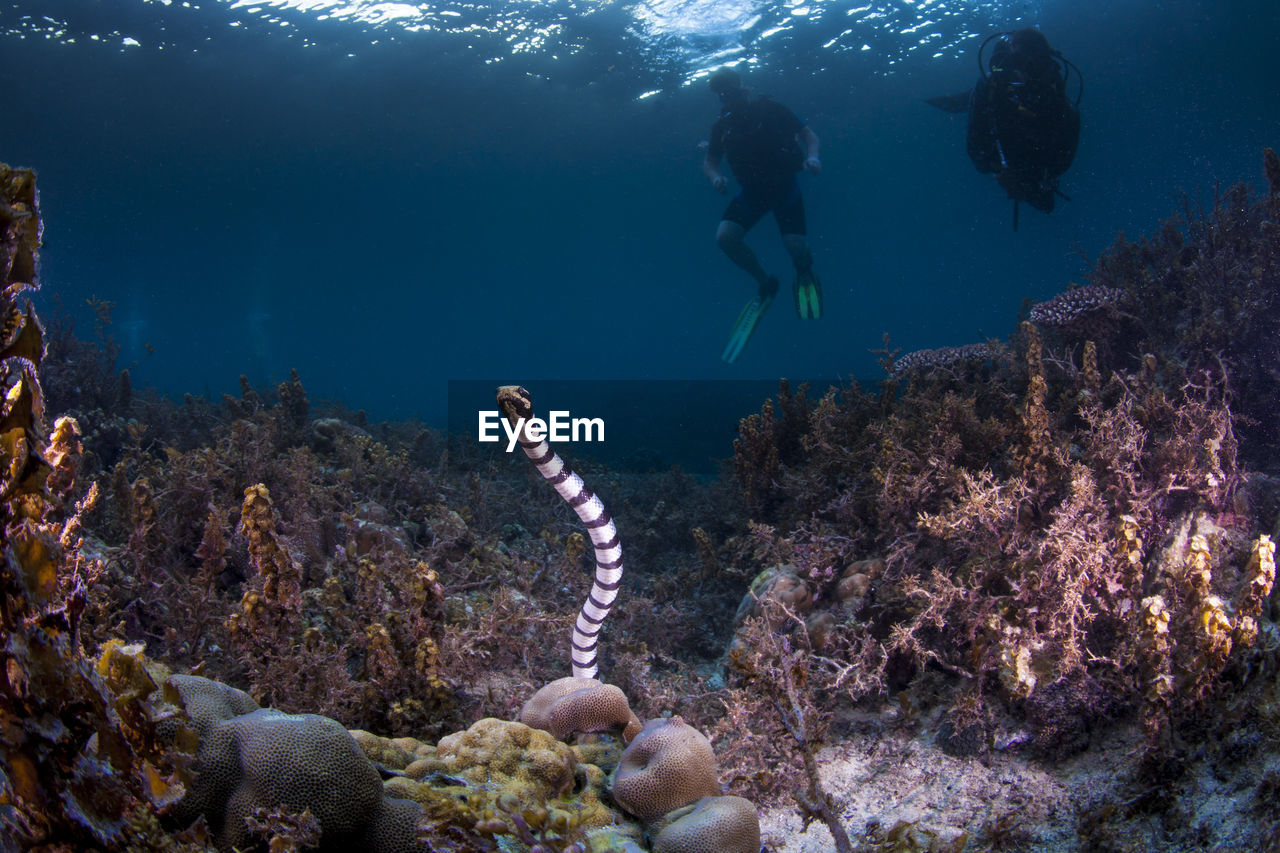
[710,825]
[569,705]
[670,764]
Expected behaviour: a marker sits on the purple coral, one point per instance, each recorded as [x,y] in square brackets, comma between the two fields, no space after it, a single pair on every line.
[1077,307]
[944,358]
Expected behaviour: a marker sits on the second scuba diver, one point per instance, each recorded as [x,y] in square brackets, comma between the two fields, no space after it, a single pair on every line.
[1023,128]
[766,146]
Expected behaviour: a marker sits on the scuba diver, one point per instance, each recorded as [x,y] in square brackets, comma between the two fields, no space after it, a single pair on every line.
[1022,126]
[766,146]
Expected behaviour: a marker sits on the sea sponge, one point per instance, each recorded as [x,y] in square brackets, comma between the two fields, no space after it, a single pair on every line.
[670,764]
[709,825]
[570,705]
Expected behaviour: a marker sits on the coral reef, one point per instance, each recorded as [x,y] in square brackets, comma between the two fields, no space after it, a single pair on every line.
[499,779]
[667,763]
[1202,292]
[492,748]
[1018,547]
[1060,537]
[767,441]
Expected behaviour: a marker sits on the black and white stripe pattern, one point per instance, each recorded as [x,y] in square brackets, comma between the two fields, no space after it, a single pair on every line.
[517,408]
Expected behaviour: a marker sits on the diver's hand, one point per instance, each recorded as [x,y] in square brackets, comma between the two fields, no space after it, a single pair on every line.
[721,184]
[813,165]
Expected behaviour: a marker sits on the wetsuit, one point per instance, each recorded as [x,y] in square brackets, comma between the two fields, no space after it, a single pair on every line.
[1023,129]
[759,142]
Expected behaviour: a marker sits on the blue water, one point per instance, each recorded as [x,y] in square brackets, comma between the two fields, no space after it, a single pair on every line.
[390,196]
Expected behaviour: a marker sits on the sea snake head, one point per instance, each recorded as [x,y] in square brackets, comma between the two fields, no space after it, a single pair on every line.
[515,404]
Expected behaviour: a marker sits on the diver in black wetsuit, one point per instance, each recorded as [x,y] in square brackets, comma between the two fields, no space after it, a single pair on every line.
[1022,126]
[766,146]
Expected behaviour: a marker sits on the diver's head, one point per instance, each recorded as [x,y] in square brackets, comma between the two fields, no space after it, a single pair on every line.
[727,85]
[1023,48]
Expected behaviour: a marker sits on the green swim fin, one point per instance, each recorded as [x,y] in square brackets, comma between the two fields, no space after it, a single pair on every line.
[746,324]
[808,293]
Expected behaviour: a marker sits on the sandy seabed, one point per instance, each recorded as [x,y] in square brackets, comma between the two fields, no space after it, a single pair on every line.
[885,777]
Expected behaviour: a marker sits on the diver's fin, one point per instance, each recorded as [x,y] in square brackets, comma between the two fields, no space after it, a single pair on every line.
[808,293]
[745,325]
[957,103]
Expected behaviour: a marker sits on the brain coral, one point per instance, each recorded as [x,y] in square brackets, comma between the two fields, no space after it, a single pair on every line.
[781,584]
[210,702]
[670,764]
[264,759]
[392,828]
[710,825]
[569,705]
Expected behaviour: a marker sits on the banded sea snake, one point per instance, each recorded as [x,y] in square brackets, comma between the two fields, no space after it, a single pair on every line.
[517,408]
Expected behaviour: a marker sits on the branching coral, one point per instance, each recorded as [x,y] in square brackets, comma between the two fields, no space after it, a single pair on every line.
[776,721]
[766,442]
[1023,513]
[80,764]
[943,359]
[1082,310]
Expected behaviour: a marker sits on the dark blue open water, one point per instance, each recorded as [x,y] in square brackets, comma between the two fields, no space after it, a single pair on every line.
[389,196]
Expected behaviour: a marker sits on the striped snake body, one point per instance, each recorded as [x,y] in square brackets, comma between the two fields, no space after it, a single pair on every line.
[517,408]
